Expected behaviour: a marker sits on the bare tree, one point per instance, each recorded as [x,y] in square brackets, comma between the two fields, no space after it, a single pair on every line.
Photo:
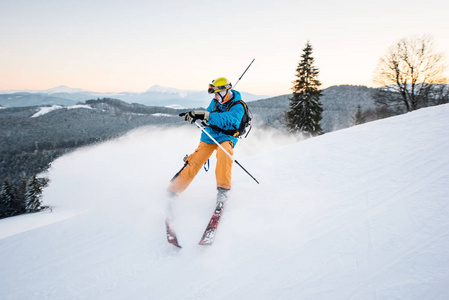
[411,75]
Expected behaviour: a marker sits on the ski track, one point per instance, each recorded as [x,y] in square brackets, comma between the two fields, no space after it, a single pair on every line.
[360,213]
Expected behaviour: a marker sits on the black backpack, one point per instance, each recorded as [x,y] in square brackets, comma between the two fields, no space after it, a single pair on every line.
[245,124]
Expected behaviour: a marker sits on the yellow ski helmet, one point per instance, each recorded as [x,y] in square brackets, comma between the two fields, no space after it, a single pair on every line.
[218,85]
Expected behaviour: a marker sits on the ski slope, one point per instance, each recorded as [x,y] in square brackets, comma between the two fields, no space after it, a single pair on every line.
[361,213]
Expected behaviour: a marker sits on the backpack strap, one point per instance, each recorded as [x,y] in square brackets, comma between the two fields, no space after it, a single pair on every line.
[232,132]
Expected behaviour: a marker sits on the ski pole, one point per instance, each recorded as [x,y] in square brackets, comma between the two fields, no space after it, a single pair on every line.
[244,72]
[224,150]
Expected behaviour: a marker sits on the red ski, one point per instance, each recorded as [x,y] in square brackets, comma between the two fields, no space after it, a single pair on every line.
[211,229]
[171,235]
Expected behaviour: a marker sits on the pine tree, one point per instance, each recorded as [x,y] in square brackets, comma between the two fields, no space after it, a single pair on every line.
[6,199]
[305,111]
[33,195]
[19,205]
[359,117]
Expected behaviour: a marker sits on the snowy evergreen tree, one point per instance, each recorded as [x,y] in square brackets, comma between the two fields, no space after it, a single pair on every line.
[306,109]
[19,205]
[359,117]
[33,195]
[6,199]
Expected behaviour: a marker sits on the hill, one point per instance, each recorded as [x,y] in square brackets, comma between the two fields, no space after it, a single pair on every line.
[359,213]
[32,137]
[339,106]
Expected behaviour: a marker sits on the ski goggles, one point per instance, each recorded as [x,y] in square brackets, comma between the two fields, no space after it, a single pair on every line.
[213,89]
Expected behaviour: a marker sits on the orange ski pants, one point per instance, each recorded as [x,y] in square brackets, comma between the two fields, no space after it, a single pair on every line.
[195,161]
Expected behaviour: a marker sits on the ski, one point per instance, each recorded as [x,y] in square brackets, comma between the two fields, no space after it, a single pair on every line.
[211,229]
[171,235]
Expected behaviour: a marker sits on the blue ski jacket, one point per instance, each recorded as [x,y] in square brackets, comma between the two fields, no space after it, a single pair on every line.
[226,120]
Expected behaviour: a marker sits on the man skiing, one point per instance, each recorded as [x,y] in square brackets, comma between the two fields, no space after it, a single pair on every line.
[221,118]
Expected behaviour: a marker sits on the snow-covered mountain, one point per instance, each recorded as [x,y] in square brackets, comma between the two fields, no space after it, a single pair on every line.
[64,89]
[155,96]
[360,213]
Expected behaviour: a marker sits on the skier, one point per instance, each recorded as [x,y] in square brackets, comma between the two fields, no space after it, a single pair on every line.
[220,116]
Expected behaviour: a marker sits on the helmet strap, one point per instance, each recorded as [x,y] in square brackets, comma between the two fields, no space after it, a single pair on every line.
[226,97]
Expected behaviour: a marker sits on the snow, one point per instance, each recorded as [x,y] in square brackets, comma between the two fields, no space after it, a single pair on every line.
[45,110]
[360,213]
[175,106]
[161,115]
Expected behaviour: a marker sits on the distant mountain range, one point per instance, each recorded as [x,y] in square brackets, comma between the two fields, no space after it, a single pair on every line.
[155,96]
[339,102]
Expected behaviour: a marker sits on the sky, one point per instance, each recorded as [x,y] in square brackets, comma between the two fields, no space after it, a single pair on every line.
[117,46]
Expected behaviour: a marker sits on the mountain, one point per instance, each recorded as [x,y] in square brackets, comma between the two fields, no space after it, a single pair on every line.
[64,89]
[360,213]
[155,96]
[32,137]
[339,106]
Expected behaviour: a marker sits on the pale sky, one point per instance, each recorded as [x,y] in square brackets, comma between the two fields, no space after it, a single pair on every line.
[116,46]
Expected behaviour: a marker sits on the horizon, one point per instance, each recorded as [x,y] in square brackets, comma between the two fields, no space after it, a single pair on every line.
[81,90]
[117,47]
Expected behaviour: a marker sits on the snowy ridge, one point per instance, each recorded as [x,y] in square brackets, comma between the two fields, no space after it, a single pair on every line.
[45,110]
[360,213]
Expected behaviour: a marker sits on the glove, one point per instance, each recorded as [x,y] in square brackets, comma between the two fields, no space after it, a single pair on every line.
[194,115]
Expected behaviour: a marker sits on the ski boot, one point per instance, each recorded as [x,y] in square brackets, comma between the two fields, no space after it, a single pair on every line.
[222,196]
